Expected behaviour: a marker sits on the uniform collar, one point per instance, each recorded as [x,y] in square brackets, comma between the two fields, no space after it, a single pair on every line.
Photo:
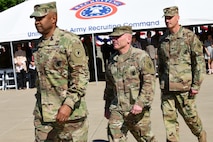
[53,39]
[124,57]
[172,36]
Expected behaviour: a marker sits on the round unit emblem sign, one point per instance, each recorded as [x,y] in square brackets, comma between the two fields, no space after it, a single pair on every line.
[96,9]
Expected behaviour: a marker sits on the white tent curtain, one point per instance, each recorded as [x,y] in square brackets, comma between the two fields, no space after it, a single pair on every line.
[16,25]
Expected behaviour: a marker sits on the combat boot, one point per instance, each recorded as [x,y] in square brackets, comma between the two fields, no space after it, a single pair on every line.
[202,137]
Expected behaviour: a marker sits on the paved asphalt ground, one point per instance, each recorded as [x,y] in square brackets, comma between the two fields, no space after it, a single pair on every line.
[16,119]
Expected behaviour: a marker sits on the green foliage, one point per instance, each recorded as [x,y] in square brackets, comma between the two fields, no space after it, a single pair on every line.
[5,4]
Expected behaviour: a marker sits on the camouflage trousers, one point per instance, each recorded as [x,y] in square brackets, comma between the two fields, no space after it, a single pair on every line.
[139,126]
[71,131]
[171,102]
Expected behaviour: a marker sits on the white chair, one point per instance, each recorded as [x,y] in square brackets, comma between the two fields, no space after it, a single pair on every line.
[2,81]
[10,79]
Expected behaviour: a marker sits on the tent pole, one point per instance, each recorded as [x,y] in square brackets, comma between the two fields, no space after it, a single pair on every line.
[95,65]
[14,71]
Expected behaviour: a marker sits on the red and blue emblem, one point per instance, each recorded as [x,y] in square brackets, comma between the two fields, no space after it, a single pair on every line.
[96,9]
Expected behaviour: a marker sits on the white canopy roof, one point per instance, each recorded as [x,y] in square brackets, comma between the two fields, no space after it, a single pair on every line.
[99,16]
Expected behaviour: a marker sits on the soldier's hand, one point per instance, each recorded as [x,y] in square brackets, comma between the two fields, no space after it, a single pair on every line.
[107,113]
[136,109]
[63,113]
[193,92]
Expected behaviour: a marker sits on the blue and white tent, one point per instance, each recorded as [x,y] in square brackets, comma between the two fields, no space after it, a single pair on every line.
[100,16]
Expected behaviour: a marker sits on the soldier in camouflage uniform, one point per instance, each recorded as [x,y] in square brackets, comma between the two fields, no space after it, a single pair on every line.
[181,72]
[60,111]
[130,87]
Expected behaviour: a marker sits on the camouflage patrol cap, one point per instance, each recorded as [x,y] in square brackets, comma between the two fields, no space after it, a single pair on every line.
[170,11]
[41,10]
[118,31]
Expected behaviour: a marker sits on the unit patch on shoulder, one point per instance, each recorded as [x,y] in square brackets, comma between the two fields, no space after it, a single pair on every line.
[78,55]
[149,67]
[78,52]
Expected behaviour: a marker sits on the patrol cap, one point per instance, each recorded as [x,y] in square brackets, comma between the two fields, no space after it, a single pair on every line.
[41,10]
[118,31]
[170,11]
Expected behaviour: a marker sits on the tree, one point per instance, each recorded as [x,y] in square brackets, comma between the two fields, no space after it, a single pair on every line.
[5,4]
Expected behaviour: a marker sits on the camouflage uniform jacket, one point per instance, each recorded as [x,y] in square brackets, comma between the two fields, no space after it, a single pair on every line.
[130,79]
[181,61]
[63,75]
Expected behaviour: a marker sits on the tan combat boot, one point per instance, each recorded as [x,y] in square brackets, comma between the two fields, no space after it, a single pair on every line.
[202,137]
